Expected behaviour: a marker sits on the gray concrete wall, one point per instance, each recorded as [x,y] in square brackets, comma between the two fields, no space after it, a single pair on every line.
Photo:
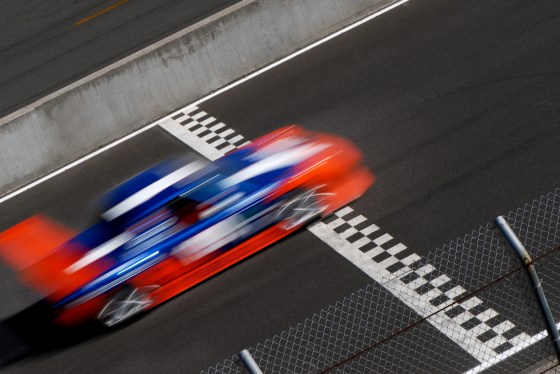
[133,92]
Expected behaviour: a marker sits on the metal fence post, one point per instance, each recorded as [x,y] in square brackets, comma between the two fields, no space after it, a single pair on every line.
[521,252]
[249,362]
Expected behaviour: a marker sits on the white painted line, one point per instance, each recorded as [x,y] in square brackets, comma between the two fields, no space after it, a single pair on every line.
[208,121]
[436,282]
[199,130]
[487,314]
[208,136]
[190,124]
[360,243]
[496,341]
[226,133]
[467,339]
[503,327]
[480,329]
[75,163]
[388,262]
[374,252]
[301,51]
[455,291]
[191,106]
[471,302]
[217,126]
[410,259]
[199,115]
[228,148]
[188,110]
[396,249]
[337,222]
[356,221]
[432,294]
[236,138]
[382,239]
[441,280]
[426,269]
[399,273]
[348,233]
[217,142]
[519,343]
[343,212]
[463,317]
[416,283]
[370,230]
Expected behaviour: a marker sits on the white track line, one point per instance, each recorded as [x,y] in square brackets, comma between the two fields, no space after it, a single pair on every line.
[303,50]
[205,98]
[373,242]
[320,229]
[512,351]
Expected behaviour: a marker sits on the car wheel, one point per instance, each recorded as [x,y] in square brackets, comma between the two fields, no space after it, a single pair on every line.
[125,304]
[301,209]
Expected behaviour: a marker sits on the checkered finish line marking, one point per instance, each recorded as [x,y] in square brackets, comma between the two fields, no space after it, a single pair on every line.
[424,289]
[202,132]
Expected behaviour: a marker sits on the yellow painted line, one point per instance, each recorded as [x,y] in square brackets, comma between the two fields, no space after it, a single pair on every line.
[102,11]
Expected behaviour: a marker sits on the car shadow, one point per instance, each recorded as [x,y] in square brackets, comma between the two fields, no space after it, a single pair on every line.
[33,332]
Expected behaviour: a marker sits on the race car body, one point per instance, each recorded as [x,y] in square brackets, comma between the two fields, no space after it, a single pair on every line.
[175,225]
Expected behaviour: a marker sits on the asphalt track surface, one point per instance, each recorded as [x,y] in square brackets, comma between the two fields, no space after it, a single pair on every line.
[456,105]
[46,45]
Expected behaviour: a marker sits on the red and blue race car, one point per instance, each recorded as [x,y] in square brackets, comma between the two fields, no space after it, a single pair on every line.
[177,224]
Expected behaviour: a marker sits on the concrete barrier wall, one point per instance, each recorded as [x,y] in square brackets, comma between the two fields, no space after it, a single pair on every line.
[151,83]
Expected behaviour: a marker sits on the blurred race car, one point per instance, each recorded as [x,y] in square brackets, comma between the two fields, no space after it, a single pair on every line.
[177,224]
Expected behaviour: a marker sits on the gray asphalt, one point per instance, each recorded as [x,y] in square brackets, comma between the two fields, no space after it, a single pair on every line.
[41,49]
[456,105]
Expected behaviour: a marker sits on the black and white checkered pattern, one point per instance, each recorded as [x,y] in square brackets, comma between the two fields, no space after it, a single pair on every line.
[417,283]
[366,237]
[427,283]
[208,129]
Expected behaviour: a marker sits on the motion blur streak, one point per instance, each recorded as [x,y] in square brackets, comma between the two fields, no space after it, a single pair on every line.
[40,249]
[152,190]
[178,223]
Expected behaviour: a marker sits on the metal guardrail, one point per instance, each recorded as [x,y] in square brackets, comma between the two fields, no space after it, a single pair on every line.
[516,244]
[249,362]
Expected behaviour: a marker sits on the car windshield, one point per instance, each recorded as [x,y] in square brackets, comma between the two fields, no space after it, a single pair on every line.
[187,210]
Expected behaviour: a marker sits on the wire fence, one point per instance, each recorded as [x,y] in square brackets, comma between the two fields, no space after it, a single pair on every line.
[477,312]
